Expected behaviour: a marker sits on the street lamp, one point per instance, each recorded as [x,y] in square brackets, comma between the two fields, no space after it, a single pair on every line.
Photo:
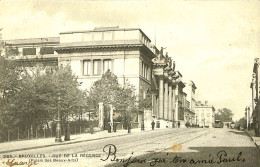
[248,118]
[91,127]
[58,128]
[142,125]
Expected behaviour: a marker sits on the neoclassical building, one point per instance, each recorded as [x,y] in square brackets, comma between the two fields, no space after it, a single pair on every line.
[205,114]
[128,53]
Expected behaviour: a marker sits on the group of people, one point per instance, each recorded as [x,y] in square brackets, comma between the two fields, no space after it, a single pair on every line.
[177,124]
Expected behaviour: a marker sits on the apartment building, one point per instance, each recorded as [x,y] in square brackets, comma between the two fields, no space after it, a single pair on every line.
[204,114]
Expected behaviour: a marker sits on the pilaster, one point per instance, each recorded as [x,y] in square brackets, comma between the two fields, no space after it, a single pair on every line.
[166,105]
[161,97]
[170,103]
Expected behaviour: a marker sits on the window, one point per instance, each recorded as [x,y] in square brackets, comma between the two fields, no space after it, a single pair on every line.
[142,68]
[46,50]
[29,51]
[145,71]
[86,67]
[144,94]
[12,51]
[96,66]
[107,65]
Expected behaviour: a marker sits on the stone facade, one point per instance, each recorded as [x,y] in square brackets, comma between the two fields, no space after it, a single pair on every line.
[204,115]
[128,53]
[189,115]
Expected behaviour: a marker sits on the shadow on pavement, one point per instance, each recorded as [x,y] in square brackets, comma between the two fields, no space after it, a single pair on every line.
[239,133]
[197,157]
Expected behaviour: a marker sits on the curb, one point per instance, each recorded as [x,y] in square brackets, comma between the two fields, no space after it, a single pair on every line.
[253,140]
[74,142]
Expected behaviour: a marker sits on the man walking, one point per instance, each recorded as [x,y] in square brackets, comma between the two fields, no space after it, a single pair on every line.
[153,125]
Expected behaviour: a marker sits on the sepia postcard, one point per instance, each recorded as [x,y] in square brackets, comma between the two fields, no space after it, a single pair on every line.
[122,83]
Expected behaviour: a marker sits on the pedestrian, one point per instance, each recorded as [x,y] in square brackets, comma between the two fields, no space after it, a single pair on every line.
[153,125]
[179,124]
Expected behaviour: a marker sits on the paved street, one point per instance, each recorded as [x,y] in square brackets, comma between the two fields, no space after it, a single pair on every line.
[169,147]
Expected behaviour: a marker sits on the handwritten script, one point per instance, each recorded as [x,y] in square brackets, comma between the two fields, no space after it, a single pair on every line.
[220,158]
[13,162]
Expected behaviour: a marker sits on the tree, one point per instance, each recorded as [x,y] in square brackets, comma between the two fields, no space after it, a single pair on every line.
[10,76]
[242,123]
[43,91]
[224,115]
[109,91]
[146,103]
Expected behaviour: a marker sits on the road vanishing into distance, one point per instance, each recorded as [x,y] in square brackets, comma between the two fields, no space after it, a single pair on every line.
[178,147]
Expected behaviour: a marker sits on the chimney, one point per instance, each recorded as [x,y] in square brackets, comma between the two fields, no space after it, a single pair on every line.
[206,103]
[199,103]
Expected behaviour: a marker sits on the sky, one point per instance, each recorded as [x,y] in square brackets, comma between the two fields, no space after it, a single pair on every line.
[213,43]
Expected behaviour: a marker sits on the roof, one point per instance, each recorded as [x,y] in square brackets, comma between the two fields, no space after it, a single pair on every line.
[28,41]
[103,29]
[99,43]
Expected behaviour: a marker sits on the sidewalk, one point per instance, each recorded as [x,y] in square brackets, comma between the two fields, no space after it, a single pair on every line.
[48,142]
[256,140]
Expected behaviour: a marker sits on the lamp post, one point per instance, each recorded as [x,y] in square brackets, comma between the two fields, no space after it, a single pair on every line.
[142,124]
[91,125]
[248,118]
[58,128]
[245,118]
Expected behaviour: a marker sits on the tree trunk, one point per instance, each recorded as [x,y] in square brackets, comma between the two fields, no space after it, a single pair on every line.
[31,136]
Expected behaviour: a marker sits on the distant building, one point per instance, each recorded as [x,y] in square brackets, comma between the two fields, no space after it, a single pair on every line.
[33,51]
[190,90]
[188,114]
[254,85]
[180,100]
[204,114]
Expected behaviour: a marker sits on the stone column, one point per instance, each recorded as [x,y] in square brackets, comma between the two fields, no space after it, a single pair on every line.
[101,115]
[153,104]
[111,116]
[166,105]
[160,98]
[157,107]
[176,104]
[170,103]
[173,102]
